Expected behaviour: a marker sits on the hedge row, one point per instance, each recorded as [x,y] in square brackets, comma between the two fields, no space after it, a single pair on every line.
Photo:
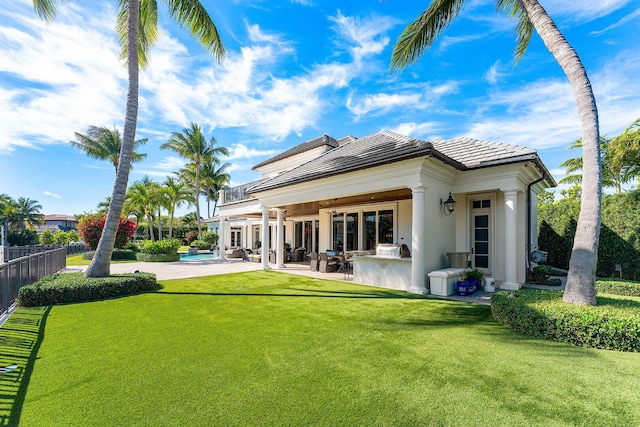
[612,325]
[117,255]
[618,287]
[74,287]
[140,256]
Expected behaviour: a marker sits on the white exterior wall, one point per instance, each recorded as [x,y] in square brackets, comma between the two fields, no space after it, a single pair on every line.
[404,218]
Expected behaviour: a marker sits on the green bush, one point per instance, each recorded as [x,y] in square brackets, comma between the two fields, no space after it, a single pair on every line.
[46,237]
[141,256]
[74,287]
[613,325]
[167,247]
[117,255]
[618,287]
[200,244]
[210,237]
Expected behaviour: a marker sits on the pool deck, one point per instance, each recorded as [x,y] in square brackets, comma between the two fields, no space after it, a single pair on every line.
[187,269]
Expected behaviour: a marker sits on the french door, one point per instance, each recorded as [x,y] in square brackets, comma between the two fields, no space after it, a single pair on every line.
[481,240]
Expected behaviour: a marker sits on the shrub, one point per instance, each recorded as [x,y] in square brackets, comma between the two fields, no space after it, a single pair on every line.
[22,238]
[167,247]
[613,325]
[210,237]
[618,287]
[46,237]
[61,237]
[141,256]
[90,229]
[74,287]
[190,237]
[117,255]
[200,244]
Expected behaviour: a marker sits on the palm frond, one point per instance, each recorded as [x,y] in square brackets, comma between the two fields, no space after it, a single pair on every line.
[46,9]
[192,16]
[422,33]
[524,27]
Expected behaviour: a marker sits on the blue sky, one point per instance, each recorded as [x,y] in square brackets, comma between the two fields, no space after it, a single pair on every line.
[295,70]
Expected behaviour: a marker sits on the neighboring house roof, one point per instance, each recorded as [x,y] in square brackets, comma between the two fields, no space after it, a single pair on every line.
[301,148]
[387,147]
[60,217]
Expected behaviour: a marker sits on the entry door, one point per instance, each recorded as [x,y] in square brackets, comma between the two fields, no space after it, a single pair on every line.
[236,238]
[481,234]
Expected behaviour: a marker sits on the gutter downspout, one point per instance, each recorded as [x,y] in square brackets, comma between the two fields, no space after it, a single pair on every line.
[531,184]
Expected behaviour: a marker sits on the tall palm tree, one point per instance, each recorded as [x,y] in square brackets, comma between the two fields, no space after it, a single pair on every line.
[530,15]
[177,193]
[160,201]
[137,27]
[215,179]
[105,144]
[140,197]
[193,146]
[6,208]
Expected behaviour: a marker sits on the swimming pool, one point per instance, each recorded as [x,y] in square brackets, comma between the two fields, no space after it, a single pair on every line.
[198,257]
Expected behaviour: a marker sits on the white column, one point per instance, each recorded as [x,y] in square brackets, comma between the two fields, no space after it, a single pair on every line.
[510,241]
[280,240]
[265,238]
[222,239]
[418,241]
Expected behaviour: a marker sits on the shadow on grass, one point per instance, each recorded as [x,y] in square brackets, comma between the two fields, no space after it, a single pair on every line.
[311,294]
[20,340]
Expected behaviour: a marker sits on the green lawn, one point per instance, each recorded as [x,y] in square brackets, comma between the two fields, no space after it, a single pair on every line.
[78,260]
[267,348]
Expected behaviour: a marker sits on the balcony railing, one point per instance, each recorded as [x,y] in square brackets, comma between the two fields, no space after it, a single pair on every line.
[239,193]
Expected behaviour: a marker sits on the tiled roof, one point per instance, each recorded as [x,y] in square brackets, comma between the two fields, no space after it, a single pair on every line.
[388,147]
[474,153]
[59,217]
[301,148]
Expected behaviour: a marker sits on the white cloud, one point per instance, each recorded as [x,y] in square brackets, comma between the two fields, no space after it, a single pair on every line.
[544,115]
[619,23]
[170,164]
[381,102]
[50,194]
[583,10]
[492,74]
[416,130]
[241,151]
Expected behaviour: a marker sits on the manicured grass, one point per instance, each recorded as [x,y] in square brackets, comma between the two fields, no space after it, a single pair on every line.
[267,348]
[78,260]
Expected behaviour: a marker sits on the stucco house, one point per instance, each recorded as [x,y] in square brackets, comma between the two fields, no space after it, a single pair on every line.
[57,222]
[351,194]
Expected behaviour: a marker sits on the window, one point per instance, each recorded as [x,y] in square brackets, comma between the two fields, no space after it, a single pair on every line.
[338,232]
[369,228]
[352,231]
[385,226]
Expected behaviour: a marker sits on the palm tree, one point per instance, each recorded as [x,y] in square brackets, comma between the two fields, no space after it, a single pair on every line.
[140,198]
[214,180]
[193,146]
[24,214]
[105,144]
[160,200]
[616,170]
[6,208]
[137,27]
[177,193]
[530,15]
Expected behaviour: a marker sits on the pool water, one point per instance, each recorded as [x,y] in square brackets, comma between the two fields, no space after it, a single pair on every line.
[198,257]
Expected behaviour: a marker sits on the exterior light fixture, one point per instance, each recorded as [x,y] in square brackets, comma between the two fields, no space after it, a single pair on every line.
[449,205]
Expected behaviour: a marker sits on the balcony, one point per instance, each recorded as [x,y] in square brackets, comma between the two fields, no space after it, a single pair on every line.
[239,193]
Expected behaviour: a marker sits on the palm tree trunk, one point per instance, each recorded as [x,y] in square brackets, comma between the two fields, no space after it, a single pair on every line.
[101,263]
[159,224]
[173,210]
[150,226]
[198,200]
[580,288]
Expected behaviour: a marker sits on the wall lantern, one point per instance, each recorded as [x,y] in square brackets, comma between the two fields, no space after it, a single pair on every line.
[449,205]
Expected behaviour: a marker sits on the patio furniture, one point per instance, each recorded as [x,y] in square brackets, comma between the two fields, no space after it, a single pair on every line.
[298,255]
[313,264]
[327,264]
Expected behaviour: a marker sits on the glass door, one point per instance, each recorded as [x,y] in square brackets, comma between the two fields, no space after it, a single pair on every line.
[480,253]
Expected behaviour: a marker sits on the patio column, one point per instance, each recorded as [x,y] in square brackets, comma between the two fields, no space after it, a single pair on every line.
[510,241]
[265,238]
[222,238]
[418,246]
[280,240]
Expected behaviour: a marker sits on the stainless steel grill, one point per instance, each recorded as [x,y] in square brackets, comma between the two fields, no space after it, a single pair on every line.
[386,250]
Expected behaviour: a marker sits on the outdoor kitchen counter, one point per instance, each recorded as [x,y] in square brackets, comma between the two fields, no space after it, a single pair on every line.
[384,272]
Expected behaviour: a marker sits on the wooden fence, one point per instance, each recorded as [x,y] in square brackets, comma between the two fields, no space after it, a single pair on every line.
[27,270]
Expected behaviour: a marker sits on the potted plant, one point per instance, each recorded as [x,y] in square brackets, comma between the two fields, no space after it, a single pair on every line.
[462,286]
[474,277]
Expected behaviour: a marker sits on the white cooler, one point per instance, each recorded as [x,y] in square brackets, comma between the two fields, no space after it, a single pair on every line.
[443,282]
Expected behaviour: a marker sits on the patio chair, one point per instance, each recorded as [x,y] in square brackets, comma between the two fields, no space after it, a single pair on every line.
[313,264]
[327,264]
